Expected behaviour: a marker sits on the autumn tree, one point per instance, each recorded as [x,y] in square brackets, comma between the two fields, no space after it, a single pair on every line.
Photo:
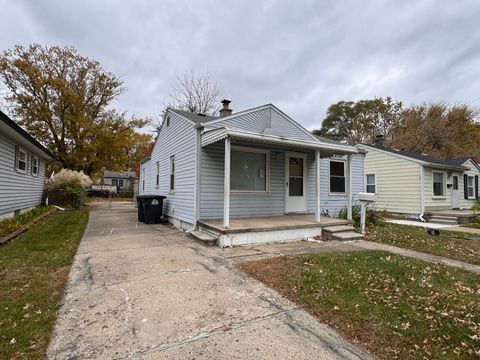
[62,98]
[361,121]
[440,130]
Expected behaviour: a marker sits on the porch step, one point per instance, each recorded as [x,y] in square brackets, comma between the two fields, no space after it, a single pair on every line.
[341,232]
[347,235]
[338,228]
[442,219]
[203,238]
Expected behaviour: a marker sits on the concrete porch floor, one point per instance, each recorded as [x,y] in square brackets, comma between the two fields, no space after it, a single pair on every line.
[269,223]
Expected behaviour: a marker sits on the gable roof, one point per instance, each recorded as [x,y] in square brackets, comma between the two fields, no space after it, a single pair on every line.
[196,118]
[423,158]
[16,129]
[119,174]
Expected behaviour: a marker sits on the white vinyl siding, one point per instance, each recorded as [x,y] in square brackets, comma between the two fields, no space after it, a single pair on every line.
[268,121]
[397,182]
[472,171]
[178,139]
[18,190]
[273,202]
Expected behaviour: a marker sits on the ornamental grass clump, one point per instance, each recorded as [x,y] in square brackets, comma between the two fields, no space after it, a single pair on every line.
[67,188]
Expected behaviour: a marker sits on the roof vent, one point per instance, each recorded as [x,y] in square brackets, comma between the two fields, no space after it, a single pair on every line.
[200,114]
[225,111]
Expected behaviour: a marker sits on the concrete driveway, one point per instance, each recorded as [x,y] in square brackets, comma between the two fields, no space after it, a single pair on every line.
[149,292]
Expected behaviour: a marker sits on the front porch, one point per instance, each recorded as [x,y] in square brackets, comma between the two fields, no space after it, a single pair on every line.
[271,223]
[265,229]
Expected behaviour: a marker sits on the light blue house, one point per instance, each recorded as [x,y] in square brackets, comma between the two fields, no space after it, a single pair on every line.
[22,168]
[252,176]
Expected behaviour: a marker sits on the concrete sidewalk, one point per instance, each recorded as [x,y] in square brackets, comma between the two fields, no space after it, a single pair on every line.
[369,245]
[140,291]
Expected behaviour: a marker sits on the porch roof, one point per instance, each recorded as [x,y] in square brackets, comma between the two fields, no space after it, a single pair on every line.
[212,136]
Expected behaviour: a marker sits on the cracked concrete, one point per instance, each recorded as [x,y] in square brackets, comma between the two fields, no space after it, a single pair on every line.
[139,291]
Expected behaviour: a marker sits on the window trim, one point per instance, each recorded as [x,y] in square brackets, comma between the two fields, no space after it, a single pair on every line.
[344,161]
[17,160]
[34,159]
[121,183]
[444,176]
[267,170]
[171,184]
[473,197]
[375,184]
[157,175]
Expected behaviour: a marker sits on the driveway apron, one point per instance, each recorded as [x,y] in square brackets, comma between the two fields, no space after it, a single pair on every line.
[139,291]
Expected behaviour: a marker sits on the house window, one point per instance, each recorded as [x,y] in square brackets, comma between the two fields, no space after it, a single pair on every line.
[35,166]
[157,181]
[471,187]
[115,182]
[438,184]
[370,183]
[21,161]
[120,183]
[249,170]
[168,120]
[172,172]
[337,177]
[143,179]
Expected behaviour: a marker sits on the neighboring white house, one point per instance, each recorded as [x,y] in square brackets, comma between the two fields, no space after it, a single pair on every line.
[22,168]
[412,183]
[251,164]
[123,180]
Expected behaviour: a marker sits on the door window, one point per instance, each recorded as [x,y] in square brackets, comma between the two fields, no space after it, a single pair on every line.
[295,176]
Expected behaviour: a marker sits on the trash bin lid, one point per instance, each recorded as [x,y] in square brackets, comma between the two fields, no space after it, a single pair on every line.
[158,197]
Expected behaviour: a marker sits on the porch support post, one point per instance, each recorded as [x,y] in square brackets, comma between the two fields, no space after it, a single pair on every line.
[349,187]
[226,185]
[318,209]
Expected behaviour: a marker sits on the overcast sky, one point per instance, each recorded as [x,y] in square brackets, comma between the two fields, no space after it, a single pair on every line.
[301,56]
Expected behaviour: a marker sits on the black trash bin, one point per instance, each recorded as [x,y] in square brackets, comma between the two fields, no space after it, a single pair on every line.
[150,208]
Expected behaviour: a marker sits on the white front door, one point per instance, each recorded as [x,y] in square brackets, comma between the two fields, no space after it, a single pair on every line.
[295,170]
[455,194]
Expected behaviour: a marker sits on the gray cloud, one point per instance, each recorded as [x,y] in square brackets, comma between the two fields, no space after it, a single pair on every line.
[301,56]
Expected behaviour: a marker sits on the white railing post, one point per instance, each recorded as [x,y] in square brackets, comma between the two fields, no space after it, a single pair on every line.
[226,185]
[317,186]
[349,187]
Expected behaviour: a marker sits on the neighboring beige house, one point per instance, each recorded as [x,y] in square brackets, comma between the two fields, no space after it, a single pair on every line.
[413,183]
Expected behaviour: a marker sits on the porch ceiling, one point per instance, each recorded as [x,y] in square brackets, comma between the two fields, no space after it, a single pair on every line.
[327,149]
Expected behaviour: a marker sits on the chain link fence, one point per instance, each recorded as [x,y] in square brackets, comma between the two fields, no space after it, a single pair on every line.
[65,198]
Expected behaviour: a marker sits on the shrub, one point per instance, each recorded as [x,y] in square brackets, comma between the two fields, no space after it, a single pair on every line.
[68,179]
[67,188]
[372,217]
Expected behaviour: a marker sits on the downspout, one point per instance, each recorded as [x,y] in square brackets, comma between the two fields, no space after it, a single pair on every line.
[422,197]
[198,149]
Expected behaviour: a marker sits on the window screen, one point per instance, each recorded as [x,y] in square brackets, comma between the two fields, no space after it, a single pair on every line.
[370,183]
[337,177]
[248,171]
[438,184]
[471,187]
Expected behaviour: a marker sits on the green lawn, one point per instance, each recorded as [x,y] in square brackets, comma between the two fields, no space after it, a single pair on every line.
[33,272]
[392,306]
[448,244]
